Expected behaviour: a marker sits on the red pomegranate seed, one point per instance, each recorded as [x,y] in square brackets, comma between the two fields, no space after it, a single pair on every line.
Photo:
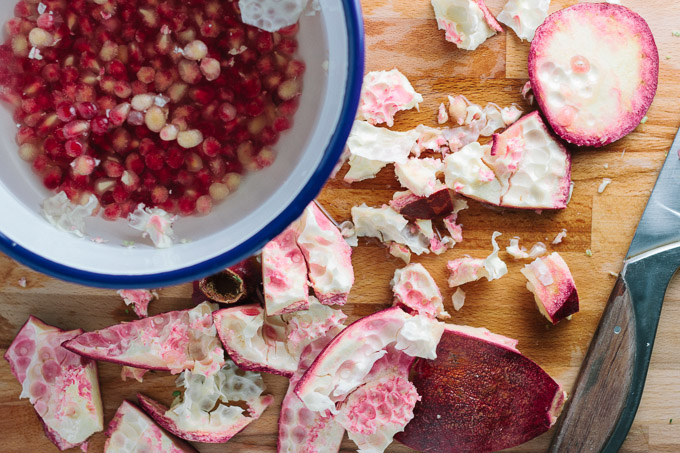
[120,195]
[288,108]
[135,118]
[111,212]
[100,125]
[265,65]
[204,205]
[187,205]
[269,136]
[295,69]
[210,147]
[119,114]
[40,163]
[154,160]
[210,68]
[113,168]
[122,89]
[83,165]
[73,148]
[225,94]
[134,163]
[147,146]
[163,80]
[22,9]
[52,178]
[47,125]
[287,46]
[51,72]
[86,110]
[163,44]
[289,31]
[177,91]
[281,124]
[264,42]
[174,157]
[130,180]
[76,128]
[25,134]
[202,95]
[159,194]
[66,112]
[255,107]
[120,140]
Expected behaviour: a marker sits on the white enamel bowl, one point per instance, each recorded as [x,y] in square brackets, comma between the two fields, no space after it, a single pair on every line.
[265,203]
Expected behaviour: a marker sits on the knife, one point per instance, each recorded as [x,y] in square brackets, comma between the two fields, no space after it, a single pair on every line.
[610,383]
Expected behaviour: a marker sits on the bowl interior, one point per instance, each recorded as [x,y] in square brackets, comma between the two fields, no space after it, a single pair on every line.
[261,198]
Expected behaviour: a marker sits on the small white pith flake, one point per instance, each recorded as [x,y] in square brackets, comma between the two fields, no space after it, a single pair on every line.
[400,251]
[524,16]
[41,8]
[383,94]
[238,51]
[34,54]
[387,225]
[458,300]
[442,115]
[465,23]
[603,185]
[271,15]
[510,114]
[420,175]
[68,216]
[154,223]
[518,252]
[22,282]
[561,235]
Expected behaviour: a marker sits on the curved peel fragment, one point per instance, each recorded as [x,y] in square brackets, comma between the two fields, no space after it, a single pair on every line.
[501,398]
[172,341]
[203,413]
[467,23]
[132,431]
[284,275]
[63,387]
[383,94]
[344,364]
[415,289]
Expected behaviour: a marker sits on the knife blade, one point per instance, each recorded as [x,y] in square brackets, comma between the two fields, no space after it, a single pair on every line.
[609,386]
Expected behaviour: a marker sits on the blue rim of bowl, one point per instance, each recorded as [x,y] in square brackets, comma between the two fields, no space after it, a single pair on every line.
[355,74]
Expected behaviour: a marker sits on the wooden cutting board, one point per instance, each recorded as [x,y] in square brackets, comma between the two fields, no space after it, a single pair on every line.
[403,34]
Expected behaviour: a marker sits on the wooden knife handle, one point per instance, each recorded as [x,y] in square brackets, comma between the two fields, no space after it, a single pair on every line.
[607,392]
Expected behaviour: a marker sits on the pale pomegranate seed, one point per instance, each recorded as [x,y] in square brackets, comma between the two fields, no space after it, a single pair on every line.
[113,168]
[83,165]
[195,50]
[142,102]
[210,68]
[169,132]
[20,45]
[289,89]
[218,191]
[134,163]
[149,17]
[163,44]
[186,36]
[256,125]
[135,118]
[159,194]
[76,128]
[28,152]
[155,118]
[130,180]
[189,138]
[210,147]
[226,112]
[25,134]
[122,89]
[232,181]
[295,69]
[119,113]
[40,38]
[204,205]
[193,162]
[120,140]
[103,185]
[177,91]
[189,71]
[109,51]
[51,72]
[146,74]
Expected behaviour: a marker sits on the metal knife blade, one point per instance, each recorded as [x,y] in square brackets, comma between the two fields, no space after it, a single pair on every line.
[660,222]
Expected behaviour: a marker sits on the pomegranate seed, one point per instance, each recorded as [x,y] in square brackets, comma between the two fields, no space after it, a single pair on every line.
[256,125]
[142,102]
[210,68]
[218,191]
[195,50]
[288,108]
[29,106]
[164,44]
[295,69]
[155,118]
[154,160]
[226,94]
[13,26]
[269,136]
[226,112]
[189,138]
[107,84]
[120,140]
[255,107]
[289,89]
[146,74]
[159,194]
[135,118]
[169,132]
[86,110]
[113,168]
[40,38]
[265,65]
[46,21]
[265,158]
[210,29]
[111,212]
[100,125]
[40,163]
[289,31]
[175,157]
[186,205]
[83,165]
[186,36]
[177,91]
[28,152]
[210,147]
[232,180]
[32,119]
[19,46]
[134,163]
[52,178]
[130,180]
[25,134]
[146,146]
[204,205]
[189,71]
[202,95]
[193,162]
[287,46]
[163,80]
[119,114]
[76,128]
[51,73]
[281,124]
[106,103]
[264,42]
[122,89]
[73,148]
[250,86]
[120,194]
[217,166]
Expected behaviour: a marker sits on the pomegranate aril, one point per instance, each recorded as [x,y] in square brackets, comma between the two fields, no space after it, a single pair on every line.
[281,124]
[120,195]
[295,69]
[73,148]
[177,91]
[255,107]
[264,42]
[185,178]
[113,168]
[193,162]
[154,160]
[175,157]
[26,134]
[86,110]
[47,125]
[120,140]
[226,112]
[76,128]
[256,125]
[134,163]
[210,29]
[122,89]
[289,89]
[189,138]
[204,205]
[155,118]
[40,38]
[289,31]
[218,191]
[135,118]
[189,71]
[288,108]
[103,185]
[186,205]
[83,165]
[130,180]
[109,51]
[28,152]
[52,178]
[250,86]
[210,68]
[287,46]
[19,45]
[159,194]
[163,80]
[40,164]
[146,74]
[210,147]
[142,102]
[51,72]
[265,158]
[32,119]
[202,95]
[195,50]
[265,65]
[100,126]
[163,44]
[105,103]
[149,17]
[169,132]
[112,212]
[119,114]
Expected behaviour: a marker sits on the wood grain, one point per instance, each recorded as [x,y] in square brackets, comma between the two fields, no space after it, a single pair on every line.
[403,34]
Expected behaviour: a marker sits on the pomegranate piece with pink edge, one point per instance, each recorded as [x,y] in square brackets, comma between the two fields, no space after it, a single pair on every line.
[383,94]
[345,363]
[415,289]
[594,70]
[328,256]
[438,204]
[550,280]
[284,275]
[62,386]
[164,104]
[205,411]
[301,430]
[467,23]
[480,394]
[173,341]
[131,430]
[273,344]
[139,299]
[383,406]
